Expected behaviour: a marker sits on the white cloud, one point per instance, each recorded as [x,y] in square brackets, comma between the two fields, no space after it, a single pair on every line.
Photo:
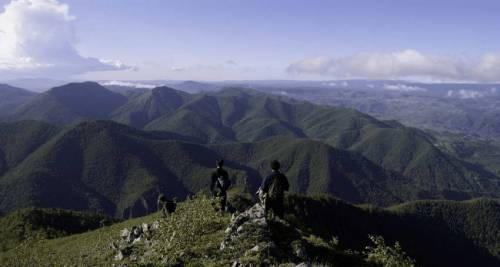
[129,84]
[37,38]
[402,64]
[468,94]
[177,69]
[403,88]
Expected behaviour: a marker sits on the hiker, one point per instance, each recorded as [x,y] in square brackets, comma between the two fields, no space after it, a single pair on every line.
[219,184]
[272,191]
[166,206]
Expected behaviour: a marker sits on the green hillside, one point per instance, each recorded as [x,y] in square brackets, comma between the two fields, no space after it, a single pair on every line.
[242,115]
[112,171]
[146,107]
[18,140]
[483,152]
[100,166]
[108,167]
[435,233]
[33,224]
[70,103]
[316,168]
[320,230]
[11,97]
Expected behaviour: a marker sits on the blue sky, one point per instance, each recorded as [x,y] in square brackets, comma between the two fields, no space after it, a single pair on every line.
[268,39]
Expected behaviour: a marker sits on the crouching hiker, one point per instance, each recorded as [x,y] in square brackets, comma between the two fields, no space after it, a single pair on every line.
[166,206]
[219,184]
[272,191]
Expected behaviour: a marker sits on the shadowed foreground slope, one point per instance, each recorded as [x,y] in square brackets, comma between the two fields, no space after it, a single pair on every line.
[326,230]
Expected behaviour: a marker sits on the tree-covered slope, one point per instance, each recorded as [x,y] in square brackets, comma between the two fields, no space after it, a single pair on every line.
[313,167]
[109,167]
[71,102]
[11,97]
[19,139]
[149,105]
[33,224]
[435,233]
[241,115]
[100,166]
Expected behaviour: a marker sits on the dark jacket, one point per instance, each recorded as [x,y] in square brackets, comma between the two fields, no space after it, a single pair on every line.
[215,184]
[268,181]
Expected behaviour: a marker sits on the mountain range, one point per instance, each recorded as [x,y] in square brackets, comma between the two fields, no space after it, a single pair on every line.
[460,108]
[82,146]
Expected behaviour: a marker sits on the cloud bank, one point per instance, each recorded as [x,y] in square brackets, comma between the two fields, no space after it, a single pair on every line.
[129,84]
[37,38]
[471,94]
[403,88]
[402,64]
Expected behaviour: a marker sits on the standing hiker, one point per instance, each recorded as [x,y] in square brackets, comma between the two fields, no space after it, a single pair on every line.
[272,191]
[219,184]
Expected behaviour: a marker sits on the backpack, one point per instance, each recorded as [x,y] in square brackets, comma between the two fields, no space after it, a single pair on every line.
[223,183]
[276,189]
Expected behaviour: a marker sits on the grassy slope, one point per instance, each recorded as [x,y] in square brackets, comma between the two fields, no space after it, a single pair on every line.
[92,248]
[34,223]
[435,233]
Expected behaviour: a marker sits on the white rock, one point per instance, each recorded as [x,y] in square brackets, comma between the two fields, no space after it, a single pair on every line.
[137,240]
[155,225]
[145,227]
[119,256]
[125,233]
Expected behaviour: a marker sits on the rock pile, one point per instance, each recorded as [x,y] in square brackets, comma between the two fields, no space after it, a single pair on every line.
[251,233]
[251,218]
[138,234]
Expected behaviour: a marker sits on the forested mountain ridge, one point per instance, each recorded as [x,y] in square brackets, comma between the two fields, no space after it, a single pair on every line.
[118,169]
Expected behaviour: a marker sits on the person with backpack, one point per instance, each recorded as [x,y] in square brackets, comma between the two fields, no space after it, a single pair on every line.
[272,191]
[219,184]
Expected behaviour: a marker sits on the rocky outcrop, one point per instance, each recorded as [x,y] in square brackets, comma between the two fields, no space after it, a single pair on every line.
[263,240]
[138,234]
[251,218]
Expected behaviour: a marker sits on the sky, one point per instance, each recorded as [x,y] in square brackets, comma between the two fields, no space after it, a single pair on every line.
[250,39]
